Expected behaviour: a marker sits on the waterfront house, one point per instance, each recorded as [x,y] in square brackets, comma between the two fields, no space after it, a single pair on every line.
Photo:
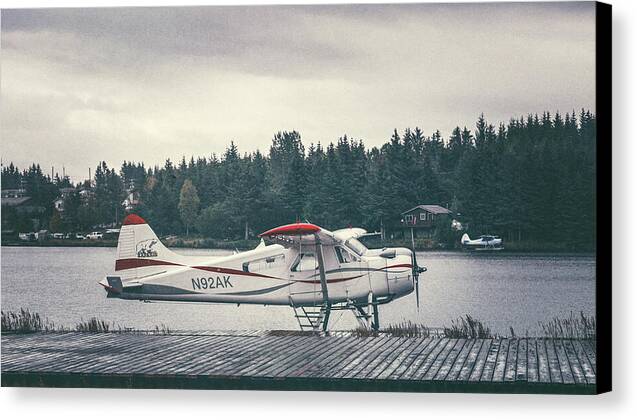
[424,218]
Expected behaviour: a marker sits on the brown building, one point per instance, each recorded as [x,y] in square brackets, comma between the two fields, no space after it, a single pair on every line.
[424,218]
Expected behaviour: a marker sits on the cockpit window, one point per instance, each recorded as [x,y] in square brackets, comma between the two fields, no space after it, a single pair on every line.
[343,255]
[305,262]
[356,246]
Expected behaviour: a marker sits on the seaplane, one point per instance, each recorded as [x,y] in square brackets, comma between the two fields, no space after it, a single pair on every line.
[313,270]
[483,243]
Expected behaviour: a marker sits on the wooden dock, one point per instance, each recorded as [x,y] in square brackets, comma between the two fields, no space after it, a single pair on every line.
[295,361]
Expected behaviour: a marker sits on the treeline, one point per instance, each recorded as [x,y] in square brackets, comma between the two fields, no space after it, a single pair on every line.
[532,179]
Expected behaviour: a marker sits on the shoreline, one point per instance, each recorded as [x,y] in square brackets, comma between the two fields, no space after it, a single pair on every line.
[232,246]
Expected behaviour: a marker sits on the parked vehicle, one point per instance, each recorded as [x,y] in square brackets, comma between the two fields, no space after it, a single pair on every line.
[79,236]
[111,234]
[95,235]
[58,236]
[27,236]
[42,235]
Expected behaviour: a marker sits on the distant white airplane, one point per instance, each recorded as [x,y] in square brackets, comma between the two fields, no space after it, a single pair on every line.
[484,243]
[306,267]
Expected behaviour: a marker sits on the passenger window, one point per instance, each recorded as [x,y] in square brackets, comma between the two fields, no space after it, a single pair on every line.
[306,262]
[264,263]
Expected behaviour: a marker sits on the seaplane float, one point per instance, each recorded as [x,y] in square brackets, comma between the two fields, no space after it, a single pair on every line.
[483,243]
[301,265]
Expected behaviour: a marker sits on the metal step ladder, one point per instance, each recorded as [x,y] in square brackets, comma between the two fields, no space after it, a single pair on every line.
[310,318]
[362,318]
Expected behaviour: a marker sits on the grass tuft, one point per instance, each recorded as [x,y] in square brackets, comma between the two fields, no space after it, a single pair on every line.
[408,329]
[467,327]
[93,325]
[574,326]
[24,322]
[161,330]
[402,329]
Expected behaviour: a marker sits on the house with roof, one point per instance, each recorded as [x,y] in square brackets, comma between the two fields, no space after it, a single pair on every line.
[17,206]
[424,218]
[58,203]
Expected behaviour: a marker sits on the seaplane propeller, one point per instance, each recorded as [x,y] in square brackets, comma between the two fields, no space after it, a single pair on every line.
[416,270]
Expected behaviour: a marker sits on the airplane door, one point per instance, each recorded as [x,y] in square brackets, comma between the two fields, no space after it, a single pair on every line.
[305,278]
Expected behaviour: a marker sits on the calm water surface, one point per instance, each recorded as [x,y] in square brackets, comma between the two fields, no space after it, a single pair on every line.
[503,290]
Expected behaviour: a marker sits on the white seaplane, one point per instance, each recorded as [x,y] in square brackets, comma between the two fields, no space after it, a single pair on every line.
[309,268]
[483,243]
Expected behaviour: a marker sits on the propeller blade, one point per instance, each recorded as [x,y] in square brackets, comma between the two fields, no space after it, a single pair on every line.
[417,296]
[415,272]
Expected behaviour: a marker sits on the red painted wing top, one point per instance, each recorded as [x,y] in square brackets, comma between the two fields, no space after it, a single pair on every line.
[292,230]
[133,219]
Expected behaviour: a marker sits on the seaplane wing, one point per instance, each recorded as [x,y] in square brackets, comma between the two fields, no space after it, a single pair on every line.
[345,234]
[296,234]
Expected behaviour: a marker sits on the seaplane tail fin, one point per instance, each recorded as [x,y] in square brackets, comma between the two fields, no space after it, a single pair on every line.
[465,238]
[139,247]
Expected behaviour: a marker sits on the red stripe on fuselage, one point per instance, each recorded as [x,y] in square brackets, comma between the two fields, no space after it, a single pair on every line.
[128,263]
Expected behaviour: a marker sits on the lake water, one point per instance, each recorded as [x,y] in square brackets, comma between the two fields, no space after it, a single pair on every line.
[502,290]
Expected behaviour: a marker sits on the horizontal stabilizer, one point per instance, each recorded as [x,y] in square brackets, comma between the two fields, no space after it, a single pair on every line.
[113,284]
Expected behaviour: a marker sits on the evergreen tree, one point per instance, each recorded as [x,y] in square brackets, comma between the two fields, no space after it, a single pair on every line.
[188,204]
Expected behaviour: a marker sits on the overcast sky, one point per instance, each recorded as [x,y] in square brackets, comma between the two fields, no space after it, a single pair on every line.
[146,84]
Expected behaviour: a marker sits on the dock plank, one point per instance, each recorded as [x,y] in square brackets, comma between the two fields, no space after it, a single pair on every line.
[476,371]
[492,357]
[415,358]
[470,360]
[544,371]
[362,357]
[450,360]
[531,360]
[424,361]
[339,350]
[573,362]
[567,373]
[400,358]
[235,356]
[501,361]
[438,361]
[305,361]
[589,372]
[512,360]
[375,359]
[339,366]
[553,362]
[459,363]
[591,351]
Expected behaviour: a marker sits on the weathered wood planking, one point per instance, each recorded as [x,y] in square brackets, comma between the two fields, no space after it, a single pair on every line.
[263,355]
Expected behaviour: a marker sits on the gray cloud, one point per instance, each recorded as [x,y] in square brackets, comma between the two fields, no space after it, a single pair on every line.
[187,80]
